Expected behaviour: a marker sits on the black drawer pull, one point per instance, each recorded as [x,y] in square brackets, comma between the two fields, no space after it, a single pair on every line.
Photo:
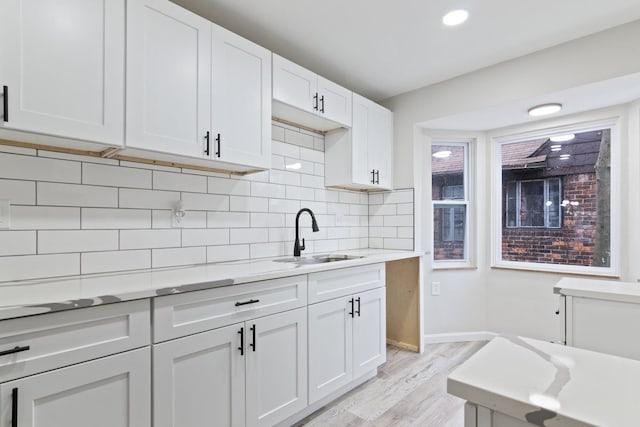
[253,335]
[352,310]
[5,102]
[358,310]
[241,348]
[251,301]
[14,407]
[15,349]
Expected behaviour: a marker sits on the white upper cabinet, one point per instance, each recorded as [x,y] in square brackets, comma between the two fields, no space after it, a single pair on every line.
[303,97]
[361,157]
[168,78]
[240,100]
[62,68]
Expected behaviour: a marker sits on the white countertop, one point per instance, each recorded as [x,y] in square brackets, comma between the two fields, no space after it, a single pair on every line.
[550,384]
[44,296]
[599,289]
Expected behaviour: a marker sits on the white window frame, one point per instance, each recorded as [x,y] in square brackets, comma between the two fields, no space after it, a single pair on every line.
[573,126]
[545,181]
[466,202]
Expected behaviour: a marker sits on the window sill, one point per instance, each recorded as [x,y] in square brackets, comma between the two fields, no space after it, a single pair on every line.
[453,267]
[542,269]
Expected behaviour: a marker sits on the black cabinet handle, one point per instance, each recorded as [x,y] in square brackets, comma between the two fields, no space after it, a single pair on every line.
[241,348]
[206,150]
[352,311]
[378,176]
[14,407]
[315,98]
[373,176]
[253,337]
[558,311]
[218,141]
[251,301]
[358,310]
[15,349]
[5,102]
[322,101]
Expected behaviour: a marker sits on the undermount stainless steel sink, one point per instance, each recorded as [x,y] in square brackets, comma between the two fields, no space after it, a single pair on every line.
[319,259]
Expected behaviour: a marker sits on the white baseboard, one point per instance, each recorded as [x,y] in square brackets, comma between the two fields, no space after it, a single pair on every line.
[459,337]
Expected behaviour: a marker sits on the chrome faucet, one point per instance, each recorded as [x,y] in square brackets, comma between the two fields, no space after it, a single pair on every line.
[314,226]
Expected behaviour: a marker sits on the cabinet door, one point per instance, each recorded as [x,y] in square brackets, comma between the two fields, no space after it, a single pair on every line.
[334,102]
[276,382]
[63,65]
[240,100]
[362,168]
[168,78]
[198,379]
[380,143]
[369,331]
[107,392]
[294,85]
[330,347]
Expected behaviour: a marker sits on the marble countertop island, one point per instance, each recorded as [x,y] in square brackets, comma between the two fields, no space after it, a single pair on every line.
[27,298]
[549,384]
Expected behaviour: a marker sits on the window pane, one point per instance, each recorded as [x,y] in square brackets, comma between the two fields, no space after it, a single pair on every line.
[447,172]
[532,204]
[449,229]
[556,200]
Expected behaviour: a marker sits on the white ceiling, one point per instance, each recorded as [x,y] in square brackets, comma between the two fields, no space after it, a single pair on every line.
[383,48]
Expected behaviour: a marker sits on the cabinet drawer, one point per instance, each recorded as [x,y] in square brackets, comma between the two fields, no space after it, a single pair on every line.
[346,281]
[189,313]
[69,337]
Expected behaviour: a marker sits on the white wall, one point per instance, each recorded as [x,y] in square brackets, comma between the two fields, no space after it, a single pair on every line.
[509,301]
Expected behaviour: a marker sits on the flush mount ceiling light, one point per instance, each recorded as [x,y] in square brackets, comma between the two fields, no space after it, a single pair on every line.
[455,17]
[562,138]
[441,154]
[545,109]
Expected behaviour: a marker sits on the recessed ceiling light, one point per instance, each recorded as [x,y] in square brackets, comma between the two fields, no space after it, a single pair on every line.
[455,17]
[441,154]
[562,138]
[545,109]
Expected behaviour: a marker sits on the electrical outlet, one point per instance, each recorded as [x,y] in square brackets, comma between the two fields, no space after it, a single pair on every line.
[435,288]
[5,214]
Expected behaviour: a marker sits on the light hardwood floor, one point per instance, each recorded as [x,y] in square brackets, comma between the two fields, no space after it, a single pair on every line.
[410,390]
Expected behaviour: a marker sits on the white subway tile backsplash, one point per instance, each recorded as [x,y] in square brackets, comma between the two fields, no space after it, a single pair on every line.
[115,219]
[205,202]
[17,243]
[312,155]
[104,262]
[227,219]
[65,241]
[401,244]
[179,256]
[44,218]
[192,219]
[38,266]
[249,204]
[227,253]
[115,176]
[232,187]
[179,182]
[205,237]
[248,235]
[53,194]
[148,199]
[263,189]
[115,215]
[398,221]
[261,220]
[287,150]
[18,192]
[15,166]
[148,239]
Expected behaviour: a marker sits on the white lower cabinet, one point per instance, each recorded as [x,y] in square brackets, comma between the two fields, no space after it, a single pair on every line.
[346,340]
[252,373]
[107,392]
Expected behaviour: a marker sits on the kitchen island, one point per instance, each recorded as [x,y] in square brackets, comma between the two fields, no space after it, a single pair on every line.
[515,381]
